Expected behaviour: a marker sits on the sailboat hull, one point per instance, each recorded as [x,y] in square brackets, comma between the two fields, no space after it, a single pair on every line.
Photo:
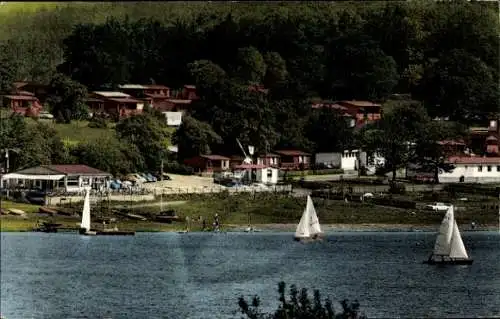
[107,232]
[308,239]
[449,262]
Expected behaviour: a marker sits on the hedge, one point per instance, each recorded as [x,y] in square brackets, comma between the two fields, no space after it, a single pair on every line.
[481,189]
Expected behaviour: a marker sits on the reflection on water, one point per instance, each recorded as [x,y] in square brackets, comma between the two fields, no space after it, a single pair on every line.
[201,275]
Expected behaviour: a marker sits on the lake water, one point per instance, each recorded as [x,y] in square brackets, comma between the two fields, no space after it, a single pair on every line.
[201,275]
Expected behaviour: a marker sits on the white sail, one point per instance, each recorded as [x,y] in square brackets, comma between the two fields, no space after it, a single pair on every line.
[457,245]
[86,212]
[314,227]
[304,224]
[443,240]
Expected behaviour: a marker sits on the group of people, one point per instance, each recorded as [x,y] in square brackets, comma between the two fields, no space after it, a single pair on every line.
[215,224]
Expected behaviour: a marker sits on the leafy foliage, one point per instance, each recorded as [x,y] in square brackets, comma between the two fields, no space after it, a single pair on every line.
[109,155]
[300,306]
[66,99]
[148,134]
[394,137]
[194,138]
[30,144]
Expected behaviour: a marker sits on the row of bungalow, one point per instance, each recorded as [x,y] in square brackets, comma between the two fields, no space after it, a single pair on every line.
[27,99]
[282,159]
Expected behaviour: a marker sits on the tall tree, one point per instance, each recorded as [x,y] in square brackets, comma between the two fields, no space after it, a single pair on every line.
[396,134]
[250,67]
[328,130]
[433,146]
[276,71]
[194,137]
[148,134]
[110,155]
[8,69]
[460,86]
[67,99]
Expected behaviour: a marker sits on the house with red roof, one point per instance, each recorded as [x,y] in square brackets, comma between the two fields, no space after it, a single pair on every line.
[206,163]
[153,94]
[356,113]
[486,140]
[23,103]
[69,178]
[293,159]
[115,104]
[472,169]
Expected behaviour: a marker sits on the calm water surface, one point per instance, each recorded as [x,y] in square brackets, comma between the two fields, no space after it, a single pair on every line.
[201,275]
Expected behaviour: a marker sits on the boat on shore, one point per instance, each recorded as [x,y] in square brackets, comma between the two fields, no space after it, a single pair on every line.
[449,248]
[85,226]
[308,229]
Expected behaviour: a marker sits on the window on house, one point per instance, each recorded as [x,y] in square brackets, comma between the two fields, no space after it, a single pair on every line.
[269,173]
[489,168]
[85,181]
[479,168]
[498,168]
[73,181]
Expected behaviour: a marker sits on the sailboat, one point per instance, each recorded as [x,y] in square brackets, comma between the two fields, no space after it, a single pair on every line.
[188,223]
[449,248]
[85,225]
[308,228]
[250,229]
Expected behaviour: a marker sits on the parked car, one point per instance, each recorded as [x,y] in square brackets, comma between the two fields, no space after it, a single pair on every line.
[45,115]
[151,177]
[157,175]
[146,177]
[438,206]
[115,184]
[139,178]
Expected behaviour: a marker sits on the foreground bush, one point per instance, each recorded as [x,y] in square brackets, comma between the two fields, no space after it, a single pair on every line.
[300,306]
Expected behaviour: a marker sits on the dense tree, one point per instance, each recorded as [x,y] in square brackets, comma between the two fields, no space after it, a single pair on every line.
[250,65]
[432,149]
[207,76]
[276,71]
[328,130]
[32,144]
[8,69]
[395,136]
[194,137]
[110,155]
[460,86]
[148,134]
[66,99]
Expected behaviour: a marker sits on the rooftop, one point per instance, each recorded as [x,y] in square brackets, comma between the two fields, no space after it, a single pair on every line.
[474,160]
[125,100]
[67,169]
[215,157]
[179,101]
[132,86]
[111,94]
[292,153]
[21,97]
[359,103]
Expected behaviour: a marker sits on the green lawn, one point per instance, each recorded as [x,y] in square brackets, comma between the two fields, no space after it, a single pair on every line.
[28,208]
[77,131]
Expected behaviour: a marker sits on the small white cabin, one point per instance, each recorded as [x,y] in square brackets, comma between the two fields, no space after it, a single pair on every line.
[259,173]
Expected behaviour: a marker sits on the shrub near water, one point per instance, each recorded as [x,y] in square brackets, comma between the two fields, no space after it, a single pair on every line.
[300,306]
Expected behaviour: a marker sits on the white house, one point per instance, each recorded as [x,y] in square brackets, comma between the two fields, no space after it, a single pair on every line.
[70,178]
[470,169]
[173,118]
[260,173]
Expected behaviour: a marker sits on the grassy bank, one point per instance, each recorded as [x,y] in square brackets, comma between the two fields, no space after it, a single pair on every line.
[261,209]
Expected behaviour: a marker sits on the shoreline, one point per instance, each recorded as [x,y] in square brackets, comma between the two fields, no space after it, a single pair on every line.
[326,228]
